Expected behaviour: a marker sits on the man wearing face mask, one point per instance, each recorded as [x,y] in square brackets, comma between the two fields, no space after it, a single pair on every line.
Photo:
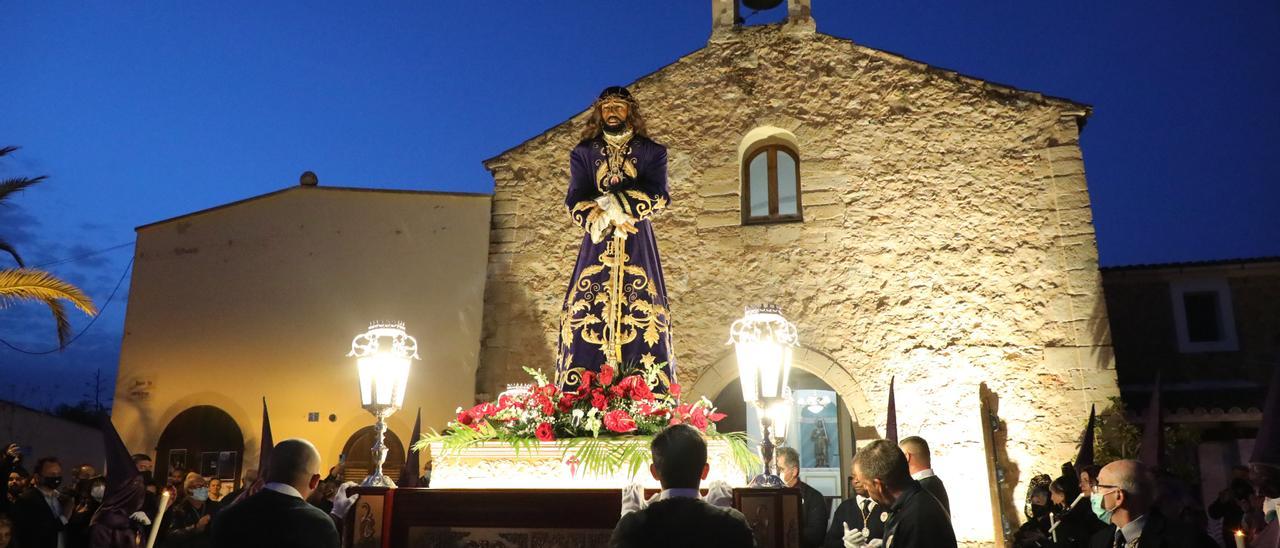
[11,469]
[916,518]
[191,516]
[41,513]
[1123,497]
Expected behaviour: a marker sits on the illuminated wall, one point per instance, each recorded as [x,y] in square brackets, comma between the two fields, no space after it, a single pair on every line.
[262,298]
[947,239]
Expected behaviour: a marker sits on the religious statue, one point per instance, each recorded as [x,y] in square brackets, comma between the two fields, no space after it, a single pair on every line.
[821,444]
[615,309]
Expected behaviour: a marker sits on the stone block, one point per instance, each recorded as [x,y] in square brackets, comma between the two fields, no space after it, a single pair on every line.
[717,219]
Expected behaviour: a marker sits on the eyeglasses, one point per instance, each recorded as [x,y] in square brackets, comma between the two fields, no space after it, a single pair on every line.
[1096,489]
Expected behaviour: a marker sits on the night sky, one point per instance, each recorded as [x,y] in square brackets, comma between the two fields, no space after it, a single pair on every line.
[141,111]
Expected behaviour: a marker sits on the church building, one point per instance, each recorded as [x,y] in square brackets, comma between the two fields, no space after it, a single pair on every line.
[914,223]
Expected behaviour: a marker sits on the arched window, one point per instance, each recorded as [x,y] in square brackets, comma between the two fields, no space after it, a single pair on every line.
[771,185]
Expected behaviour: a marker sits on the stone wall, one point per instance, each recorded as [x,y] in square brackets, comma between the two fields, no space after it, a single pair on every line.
[947,240]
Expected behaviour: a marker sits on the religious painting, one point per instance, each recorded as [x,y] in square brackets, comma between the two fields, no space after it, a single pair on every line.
[816,437]
[772,514]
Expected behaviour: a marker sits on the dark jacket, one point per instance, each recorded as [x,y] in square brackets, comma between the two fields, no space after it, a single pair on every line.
[918,520]
[814,506]
[683,522]
[1159,532]
[933,484]
[35,525]
[273,520]
[1078,526]
[182,523]
[850,513]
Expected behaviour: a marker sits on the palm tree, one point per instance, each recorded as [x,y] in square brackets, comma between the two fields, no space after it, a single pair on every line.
[29,284]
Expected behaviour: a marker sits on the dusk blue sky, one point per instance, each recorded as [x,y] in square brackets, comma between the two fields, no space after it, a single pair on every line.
[140,111]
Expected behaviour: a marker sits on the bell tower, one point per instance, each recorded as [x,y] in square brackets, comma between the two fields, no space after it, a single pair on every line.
[727,15]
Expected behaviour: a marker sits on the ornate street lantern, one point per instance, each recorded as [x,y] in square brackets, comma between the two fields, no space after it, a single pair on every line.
[764,341]
[779,413]
[383,354]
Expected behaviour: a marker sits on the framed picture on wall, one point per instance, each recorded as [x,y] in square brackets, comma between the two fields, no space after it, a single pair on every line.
[177,459]
[227,465]
[209,464]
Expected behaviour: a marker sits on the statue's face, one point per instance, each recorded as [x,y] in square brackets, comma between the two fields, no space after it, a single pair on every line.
[614,112]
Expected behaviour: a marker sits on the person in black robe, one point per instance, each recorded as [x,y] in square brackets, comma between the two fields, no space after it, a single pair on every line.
[615,308]
[278,515]
[856,513]
[118,522]
[680,518]
[916,518]
[813,505]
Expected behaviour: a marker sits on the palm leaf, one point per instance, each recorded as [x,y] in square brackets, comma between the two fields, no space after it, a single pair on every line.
[9,186]
[7,150]
[25,284]
[8,248]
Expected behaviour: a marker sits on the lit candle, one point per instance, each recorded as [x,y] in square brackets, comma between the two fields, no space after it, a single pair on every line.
[155,525]
[1239,539]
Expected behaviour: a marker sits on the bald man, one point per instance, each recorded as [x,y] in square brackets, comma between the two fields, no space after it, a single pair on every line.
[279,515]
[920,463]
[1124,498]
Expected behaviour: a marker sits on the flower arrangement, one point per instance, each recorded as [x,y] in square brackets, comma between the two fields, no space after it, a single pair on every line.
[607,423]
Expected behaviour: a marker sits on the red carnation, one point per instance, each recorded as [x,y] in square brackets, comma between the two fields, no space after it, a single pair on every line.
[548,390]
[698,419]
[584,382]
[545,403]
[641,391]
[598,400]
[606,375]
[619,421]
[617,391]
[545,432]
[674,390]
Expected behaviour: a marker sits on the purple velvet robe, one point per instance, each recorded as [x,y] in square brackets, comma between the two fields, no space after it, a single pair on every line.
[615,309]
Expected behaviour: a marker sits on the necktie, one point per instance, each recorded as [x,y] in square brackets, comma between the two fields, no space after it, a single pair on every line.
[1119,543]
[866,511]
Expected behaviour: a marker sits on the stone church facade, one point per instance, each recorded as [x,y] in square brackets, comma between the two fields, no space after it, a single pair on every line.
[945,238]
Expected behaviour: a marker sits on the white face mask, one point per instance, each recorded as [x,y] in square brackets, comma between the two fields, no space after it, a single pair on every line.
[98,492]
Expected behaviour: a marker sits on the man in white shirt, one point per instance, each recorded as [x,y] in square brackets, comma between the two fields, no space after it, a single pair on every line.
[279,516]
[40,513]
[1124,497]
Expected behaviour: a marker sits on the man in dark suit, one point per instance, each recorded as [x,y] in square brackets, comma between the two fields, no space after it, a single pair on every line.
[813,505]
[41,512]
[916,518]
[920,464]
[279,516]
[1124,494]
[679,518]
[856,513]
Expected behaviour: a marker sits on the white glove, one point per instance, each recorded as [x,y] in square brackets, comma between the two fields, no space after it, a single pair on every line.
[140,517]
[719,494]
[856,538]
[341,502]
[633,499]
[875,543]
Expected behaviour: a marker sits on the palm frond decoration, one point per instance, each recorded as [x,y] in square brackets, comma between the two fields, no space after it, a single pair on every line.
[9,186]
[26,284]
[8,248]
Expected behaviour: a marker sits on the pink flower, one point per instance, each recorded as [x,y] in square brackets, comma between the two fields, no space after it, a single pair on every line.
[619,421]
[545,432]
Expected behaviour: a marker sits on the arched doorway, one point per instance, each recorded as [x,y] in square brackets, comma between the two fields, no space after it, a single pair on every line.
[820,430]
[202,439]
[360,460]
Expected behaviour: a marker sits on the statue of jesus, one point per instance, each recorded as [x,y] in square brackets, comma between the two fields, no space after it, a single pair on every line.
[615,309]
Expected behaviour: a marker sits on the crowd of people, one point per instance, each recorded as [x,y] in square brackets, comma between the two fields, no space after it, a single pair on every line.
[45,508]
[898,502]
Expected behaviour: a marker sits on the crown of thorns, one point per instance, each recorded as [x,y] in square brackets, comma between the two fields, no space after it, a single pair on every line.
[615,92]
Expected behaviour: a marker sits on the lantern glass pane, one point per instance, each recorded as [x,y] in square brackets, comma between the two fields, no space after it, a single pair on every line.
[748,372]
